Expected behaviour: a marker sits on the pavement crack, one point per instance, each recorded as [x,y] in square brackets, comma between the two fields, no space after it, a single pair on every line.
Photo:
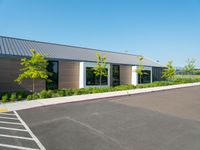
[98,132]
[48,121]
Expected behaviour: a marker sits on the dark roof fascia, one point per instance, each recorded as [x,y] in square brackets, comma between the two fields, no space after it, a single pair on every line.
[7,56]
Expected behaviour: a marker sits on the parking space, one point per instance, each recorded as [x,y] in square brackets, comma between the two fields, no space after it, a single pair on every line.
[139,122]
[15,134]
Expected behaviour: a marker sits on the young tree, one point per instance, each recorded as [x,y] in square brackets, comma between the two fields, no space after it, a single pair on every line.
[33,68]
[170,71]
[140,68]
[190,65]
[100,70]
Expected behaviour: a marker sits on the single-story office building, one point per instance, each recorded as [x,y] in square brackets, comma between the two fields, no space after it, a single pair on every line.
[71,66]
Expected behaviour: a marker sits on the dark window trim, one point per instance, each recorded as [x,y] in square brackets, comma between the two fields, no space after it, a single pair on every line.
[113,73]
[57,73]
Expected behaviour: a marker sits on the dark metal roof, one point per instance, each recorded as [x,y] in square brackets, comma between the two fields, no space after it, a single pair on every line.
[21,48]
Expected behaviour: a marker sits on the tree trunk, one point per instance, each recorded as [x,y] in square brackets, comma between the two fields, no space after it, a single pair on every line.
[33,88]
[140,79]
[100,80]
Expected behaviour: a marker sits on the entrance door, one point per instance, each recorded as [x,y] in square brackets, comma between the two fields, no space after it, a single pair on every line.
[53,68]
[115,75]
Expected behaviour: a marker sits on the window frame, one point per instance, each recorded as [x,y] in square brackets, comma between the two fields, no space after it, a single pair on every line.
[96,79]
[149,73]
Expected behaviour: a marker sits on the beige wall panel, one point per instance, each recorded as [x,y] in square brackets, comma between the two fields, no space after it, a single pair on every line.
[68,74]
[125,74]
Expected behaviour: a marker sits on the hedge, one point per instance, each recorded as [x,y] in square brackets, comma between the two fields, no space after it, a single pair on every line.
[22,95]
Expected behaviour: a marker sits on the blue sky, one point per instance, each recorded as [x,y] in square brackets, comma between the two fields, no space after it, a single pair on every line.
[159,29]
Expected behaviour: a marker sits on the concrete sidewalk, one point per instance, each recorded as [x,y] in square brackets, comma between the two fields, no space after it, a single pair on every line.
[12,106]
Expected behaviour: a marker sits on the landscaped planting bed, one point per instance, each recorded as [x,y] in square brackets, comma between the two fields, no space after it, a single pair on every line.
[22,95]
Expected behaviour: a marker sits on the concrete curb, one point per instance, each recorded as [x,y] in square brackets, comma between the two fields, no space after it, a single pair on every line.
[12,106]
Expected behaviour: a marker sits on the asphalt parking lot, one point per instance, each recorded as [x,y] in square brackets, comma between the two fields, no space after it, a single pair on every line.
[167,120]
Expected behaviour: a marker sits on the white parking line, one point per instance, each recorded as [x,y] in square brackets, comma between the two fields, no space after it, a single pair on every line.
[17,137]
[30,132]
[15,123]
[8,118]
[14,129]
[8,114]
[22,123]
[17,147]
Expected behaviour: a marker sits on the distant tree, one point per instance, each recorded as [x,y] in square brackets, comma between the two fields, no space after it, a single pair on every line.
[33,68]
[100,70]
[170,71]
[197,71]
[190,65]
[140,67]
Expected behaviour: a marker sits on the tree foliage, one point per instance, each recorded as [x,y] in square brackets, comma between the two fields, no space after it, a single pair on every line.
[190,65]
[100,69]
[33,68]
[170,71]
[140,67]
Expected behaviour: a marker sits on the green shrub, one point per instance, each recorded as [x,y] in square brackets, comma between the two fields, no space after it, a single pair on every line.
[49,92]
[140,86]
[44,94]
[102,90]
[124,87]
[55,93]
[35,96]
[61,92]
[21,95]
[13,97]
[81,91]
[6,93]
[5,98]
[85,91]
[69,92]
[29,97]
[74,91]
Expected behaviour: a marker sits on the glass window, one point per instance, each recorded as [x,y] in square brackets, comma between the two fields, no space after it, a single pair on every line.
[91,79]
[116,75]
[146,77]
[53,68]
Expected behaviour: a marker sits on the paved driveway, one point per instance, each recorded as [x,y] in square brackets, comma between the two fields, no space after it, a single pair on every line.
[166,120]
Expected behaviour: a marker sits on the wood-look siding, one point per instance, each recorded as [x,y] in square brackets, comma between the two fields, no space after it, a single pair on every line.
[68,74]
[125,74]
[9,71]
